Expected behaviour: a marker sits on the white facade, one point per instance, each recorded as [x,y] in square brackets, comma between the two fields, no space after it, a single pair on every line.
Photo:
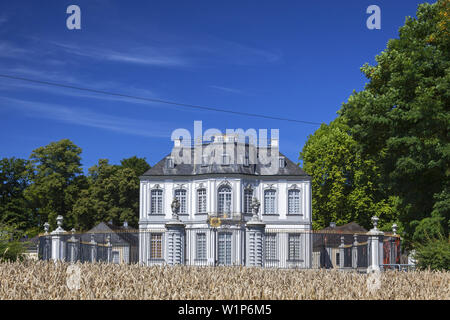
[286,218]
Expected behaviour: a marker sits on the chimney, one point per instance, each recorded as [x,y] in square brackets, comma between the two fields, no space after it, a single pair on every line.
[274,142]
[125,224]
[333,225]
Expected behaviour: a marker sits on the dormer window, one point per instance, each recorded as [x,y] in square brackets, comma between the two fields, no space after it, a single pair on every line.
[170,163]
[218,139]
[281,162]
[246,161]
[204,160]
[225,159]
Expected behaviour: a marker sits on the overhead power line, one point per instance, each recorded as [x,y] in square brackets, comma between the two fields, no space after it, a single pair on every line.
[248,114]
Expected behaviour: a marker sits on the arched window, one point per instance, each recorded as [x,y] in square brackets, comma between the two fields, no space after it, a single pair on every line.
[156,197]
[294,201]
[224,200]
[180,194]
[269,201]
[201,200]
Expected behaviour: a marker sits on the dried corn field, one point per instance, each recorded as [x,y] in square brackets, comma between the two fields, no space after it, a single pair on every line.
[48,280]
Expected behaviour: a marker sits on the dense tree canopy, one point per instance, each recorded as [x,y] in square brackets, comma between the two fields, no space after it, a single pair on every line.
[112,195]
[401,120]
[388,151]
[14,179]
[52,183]
[57,180]
[344,184]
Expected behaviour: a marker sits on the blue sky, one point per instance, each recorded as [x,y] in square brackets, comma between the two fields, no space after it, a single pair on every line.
[291,59]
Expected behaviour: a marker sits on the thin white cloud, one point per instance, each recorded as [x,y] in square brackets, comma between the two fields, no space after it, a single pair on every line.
[9,50]
[3,19]
[226,89]
[87,118]
[57,77]
[142,55]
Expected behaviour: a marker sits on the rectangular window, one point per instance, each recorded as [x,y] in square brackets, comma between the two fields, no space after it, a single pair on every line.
[294,247]
[156,201]
[156,246]
[224,248]
[294,202]
[248,195]
[201,201]
[201,246]
[115,257]
[271,246]
[180,194]
[269,202]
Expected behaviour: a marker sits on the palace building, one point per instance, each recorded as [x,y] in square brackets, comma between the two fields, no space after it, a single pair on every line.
[226,202]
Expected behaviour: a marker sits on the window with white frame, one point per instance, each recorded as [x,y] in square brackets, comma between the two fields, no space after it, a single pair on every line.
[156,246]
[201,200]
[201,246]
[225,159]
[294,247]
[224,199]
[224,248]
[271,246]
[281,162]
[156,200]
[180,195]
[170,163]
[294,201]
[269,201]
[248,196]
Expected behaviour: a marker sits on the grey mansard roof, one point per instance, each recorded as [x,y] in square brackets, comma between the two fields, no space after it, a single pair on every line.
[258,169]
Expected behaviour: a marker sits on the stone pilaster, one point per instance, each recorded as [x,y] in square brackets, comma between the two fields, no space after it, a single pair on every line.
[355,252]
[175,242]
[342,253]
[375,243]
[58,248]
[255,243]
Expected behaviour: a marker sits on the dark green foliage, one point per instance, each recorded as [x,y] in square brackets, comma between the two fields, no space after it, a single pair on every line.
[388,152]
[434,254]
[113,194]
[57,181]
[11,249]
[344,184]
[138,165]
[401,120]
[14,179]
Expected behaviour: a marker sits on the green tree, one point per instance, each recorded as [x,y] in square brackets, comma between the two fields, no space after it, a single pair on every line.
[344,185]
[401,119]
[434,253]
[138,165]
[14,179]
[113,194]
[11,249]
[57,181]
